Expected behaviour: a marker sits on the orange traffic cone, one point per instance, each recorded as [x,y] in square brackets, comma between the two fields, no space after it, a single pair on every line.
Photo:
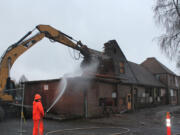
[168,123]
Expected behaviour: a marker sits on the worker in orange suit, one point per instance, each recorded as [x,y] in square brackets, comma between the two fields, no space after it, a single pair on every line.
[38,114]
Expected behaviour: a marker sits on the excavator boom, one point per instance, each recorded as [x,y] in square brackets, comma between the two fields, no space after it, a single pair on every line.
[17,49]
[58,36]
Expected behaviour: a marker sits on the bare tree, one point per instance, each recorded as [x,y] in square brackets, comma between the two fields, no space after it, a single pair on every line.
[167,14]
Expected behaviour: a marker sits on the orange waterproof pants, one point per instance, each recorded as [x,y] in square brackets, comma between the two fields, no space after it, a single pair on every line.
[38,127]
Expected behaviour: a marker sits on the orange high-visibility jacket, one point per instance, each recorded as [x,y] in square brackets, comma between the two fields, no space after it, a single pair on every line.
[38,110]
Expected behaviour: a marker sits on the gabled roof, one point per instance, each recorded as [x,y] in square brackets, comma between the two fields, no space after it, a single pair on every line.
[156,67]
[134,73]
[143,76]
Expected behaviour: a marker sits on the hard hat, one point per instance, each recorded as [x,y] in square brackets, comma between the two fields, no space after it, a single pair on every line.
[37,96]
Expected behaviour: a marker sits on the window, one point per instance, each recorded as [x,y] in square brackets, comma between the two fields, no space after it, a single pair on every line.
[46,87]
[158,76]
[129,98]
[151,92]
[176,82]
[158,92]
[101,101]
[114,95]
[122,69]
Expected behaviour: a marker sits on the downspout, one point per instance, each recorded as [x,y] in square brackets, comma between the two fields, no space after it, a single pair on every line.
[167,94]
[85,105]
[132,86]
[132,98]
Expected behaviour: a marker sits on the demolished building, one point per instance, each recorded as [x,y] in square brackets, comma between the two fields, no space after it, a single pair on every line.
[118,85]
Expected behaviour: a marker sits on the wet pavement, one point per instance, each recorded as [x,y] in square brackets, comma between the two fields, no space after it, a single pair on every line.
[53,127]
[149,121]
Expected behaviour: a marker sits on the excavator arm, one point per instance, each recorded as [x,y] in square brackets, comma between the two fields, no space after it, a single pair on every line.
[58,36]
[63,38]
[17,49]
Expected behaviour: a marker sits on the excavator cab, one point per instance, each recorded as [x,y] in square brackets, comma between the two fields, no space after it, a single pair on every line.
[10,86]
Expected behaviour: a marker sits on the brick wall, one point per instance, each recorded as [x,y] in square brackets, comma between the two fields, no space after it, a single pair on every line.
[95,93]
[71,102]
[123,91]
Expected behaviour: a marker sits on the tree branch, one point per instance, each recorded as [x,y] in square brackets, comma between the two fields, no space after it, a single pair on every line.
[176,6]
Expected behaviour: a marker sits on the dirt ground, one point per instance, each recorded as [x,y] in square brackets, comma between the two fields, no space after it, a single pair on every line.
[149,121]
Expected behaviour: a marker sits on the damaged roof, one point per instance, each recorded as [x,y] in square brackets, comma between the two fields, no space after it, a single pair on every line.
[134,73]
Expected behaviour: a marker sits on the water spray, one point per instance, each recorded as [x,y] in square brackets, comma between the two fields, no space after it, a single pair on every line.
[77,72]
[63,86]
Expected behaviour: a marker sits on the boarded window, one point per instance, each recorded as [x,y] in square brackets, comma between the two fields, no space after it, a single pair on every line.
[122,69]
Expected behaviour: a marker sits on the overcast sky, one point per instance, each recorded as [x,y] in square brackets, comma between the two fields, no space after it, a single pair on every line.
[94,22]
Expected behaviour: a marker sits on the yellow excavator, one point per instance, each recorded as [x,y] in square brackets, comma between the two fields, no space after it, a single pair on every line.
[14,51]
